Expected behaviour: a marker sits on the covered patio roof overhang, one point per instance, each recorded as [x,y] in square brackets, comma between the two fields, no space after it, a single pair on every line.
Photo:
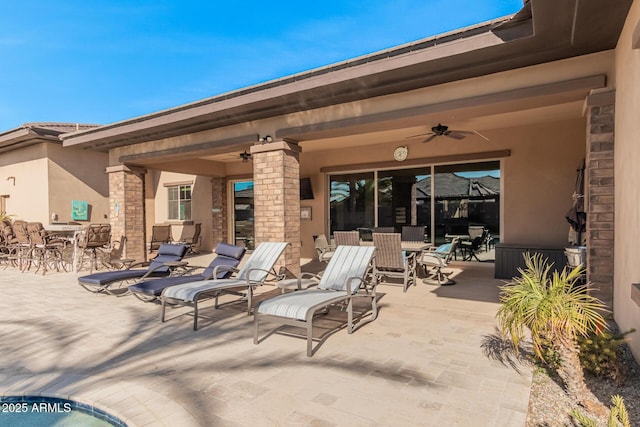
[34,133]
[542,32]
[534,67]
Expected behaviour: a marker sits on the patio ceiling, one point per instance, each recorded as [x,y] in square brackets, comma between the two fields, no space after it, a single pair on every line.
[543,31]
[536,104]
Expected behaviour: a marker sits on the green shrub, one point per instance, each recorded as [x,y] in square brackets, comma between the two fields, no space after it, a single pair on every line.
[549,356]
[599,353]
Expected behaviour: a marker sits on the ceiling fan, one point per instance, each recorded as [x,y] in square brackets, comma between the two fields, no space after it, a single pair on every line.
[442,130]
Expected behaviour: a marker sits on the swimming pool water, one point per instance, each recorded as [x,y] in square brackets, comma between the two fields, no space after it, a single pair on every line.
[39,411]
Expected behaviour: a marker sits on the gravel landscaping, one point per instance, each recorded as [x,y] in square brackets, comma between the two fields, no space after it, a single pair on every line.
[549,406]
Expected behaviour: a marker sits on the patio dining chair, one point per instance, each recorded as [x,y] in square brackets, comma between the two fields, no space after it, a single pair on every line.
[364,234]
[325,252]
[95,239]
[348,238]
[9,243]
[383,229]
[22,250]
[392,262]
[46,249]
[470,247]
[435,261]
[341,283]
[413,233]
[112,255]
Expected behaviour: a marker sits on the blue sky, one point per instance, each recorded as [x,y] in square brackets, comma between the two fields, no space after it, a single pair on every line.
[103,61]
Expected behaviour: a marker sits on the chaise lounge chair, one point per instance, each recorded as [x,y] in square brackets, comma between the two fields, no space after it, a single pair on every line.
[168,258]
[340,283]
[223,265]
[253,273]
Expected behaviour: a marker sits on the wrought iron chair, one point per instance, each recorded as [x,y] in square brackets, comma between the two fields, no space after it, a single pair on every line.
[9,243]
[112,255]
[477,237]
[96,238]
[46,249]
[22,251]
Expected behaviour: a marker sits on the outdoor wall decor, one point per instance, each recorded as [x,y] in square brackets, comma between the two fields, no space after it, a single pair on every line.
[305,213]
[79,210]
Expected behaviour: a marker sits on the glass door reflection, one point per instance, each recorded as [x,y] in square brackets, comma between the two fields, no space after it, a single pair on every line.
[243,214]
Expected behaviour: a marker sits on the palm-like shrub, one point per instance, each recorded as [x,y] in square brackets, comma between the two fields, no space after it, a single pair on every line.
[557,309]
[5,217]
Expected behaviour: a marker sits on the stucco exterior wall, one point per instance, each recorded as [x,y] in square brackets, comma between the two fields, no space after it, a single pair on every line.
[201,204]
[627,177]
[539,180]
[48,178]
[28,193]
[77,175]
[538,176]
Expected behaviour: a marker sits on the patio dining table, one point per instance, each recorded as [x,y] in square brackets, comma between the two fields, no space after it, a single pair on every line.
[70,232]
[406,246]
[450,237]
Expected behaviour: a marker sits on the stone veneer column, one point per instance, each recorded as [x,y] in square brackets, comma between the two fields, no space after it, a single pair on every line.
[600,194]
[276,186]
[219,210]
[126,206]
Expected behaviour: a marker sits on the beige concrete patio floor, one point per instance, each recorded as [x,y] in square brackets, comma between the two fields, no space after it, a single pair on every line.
[420,363]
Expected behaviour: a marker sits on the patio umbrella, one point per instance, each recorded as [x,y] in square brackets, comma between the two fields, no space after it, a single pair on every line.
[576,216]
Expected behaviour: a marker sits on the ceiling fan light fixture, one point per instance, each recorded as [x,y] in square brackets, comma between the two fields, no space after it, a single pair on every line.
[245,156]
[443,130]
[440,129]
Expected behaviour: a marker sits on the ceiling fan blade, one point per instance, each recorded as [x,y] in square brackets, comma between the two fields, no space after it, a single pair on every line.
[415,136]
[455,134]
[481,135]
[430,138]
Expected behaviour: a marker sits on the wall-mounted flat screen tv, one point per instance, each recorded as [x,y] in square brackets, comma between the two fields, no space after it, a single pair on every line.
[306,192]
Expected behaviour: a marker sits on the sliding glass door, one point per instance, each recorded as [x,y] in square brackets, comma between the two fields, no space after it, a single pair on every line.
[351,201]
[402,200]
[445,199]
[466,195]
